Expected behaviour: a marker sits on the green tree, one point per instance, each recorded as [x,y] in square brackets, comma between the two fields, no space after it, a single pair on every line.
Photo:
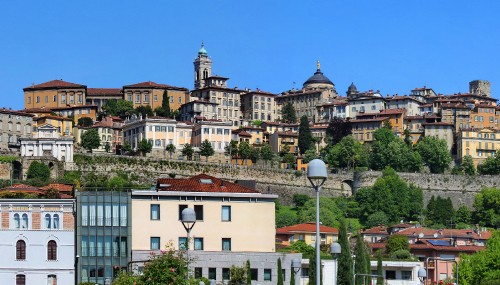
[289,160]
[288,114]
[188,151]
[145,111]
[232,149]
[481,267]
[440,211]
[168,267]
[491,166]
[249,273]
[313,268]
[344,270]
[348,153]
[292,277]
[206,149]
[380,278]
[121,108]
[164,110]
[38,170]
[238,275]
[107,147]
[309,155]
[463,215]
[468,165]
[299,200]
[407,137]
[123,278]
[145,146]
[337,129]
[254,154]
[305,135]
[435,154]
[266,153]
[487,205]
[85,122]
[257,123]
[329,212]
[170,148]
[90,140]
[397,242]
[280,273]
[377,218]
[360,266]
[127,147]
[244,151]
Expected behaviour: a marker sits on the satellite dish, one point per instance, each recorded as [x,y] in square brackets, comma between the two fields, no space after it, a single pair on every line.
[435,235]
[421,235]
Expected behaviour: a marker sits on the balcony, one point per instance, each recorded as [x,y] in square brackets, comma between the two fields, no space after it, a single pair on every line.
[288,140]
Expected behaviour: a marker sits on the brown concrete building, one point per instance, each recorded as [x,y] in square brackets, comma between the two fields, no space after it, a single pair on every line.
[151,93]
[55,93]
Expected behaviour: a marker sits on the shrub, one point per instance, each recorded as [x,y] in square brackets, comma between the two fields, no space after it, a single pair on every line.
[401,254]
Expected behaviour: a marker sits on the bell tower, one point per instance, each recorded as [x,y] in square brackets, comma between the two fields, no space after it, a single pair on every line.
[202,68]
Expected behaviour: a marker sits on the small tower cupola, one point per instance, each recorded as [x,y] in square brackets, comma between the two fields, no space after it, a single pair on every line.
[202,67]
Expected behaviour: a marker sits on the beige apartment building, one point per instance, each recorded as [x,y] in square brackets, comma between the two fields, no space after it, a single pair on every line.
[306,232]
[478,143]
[259,105]
[55,93]
[150,93]
[230,217]
[14,125]
[216,132]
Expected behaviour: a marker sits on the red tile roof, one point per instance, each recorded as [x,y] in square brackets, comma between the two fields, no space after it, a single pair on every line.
[288,134]
[37,110]
[415,232]
[151,84]
[379,119]
[306,228]
[20,187]
[392,111]
[17,113]
[379,230]
[58,186]
[64,189]
[244,134]
[427,246]
[57,84]
[54,118]
[195,184]
[104,91]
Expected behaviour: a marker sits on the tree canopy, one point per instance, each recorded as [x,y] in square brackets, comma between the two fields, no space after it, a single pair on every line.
[121,108]
[305,136]
[329,213]
[440,211]
[85,122]
[288,114]
[145,146]
[90,140]
[206,149]
[337,129]
[348,153]
[487,205]
[435,154]
[38,170]
[188,151]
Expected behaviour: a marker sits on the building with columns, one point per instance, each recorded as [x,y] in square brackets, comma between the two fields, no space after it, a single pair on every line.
[48,142]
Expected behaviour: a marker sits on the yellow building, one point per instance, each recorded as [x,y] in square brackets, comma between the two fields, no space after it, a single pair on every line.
[363,129]
[440,130]
[259,105]
[151,93]
[229,217]
[279,139]
[485,116]
[306,232]
[253,135]
[77,112]
[64,125]
[55,93]
[478,143]
[215,131]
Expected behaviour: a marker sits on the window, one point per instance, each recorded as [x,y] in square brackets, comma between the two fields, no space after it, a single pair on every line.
[55,222]
[406,275]
[267,275]
[390,274]
[226,213]
[254,274]
[182,243]
[20,250]
[51,279]
[226,244]
[20,279]
[51,250]
[181,207]
[226,273]
[198,243]
[24,224]
[198,209]
[155,212]
[197,272]
[155,243]
[17,221]
[47,221]
[212,273]
[304,272]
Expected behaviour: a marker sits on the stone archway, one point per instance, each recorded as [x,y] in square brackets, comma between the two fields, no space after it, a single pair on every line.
[347,186]
[17,170]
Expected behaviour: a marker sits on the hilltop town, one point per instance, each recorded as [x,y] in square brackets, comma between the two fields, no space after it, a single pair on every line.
[94,180]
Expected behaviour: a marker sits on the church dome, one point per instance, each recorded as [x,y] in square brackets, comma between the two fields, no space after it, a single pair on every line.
[202,50]
[318,79]
[352,88]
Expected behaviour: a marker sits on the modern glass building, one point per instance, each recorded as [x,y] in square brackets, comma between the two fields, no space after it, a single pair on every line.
[102,234]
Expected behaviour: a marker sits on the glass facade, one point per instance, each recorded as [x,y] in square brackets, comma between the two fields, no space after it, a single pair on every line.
[103,234]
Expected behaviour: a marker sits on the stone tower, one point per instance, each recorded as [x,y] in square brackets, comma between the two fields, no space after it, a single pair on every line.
[480,87]
[202,68]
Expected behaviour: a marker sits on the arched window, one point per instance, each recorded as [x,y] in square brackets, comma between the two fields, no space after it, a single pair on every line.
[55,223]
[20,250]
[24,224]
[17,221]
[51,250]
[47,221]
[20,279]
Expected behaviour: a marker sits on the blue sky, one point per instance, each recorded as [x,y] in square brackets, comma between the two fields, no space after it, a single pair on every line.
[387,45]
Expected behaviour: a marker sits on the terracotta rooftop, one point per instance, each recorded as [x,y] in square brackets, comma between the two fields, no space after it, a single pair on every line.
[20,187]
[376,230]
[392,111]
[379,119]
[58,186]
[201,183]
[104,91]
[244,134]
[54,118]
[288,134]
[427,246]
[12,112]
[151,84]
[428,233]
[58,84]
[306,228]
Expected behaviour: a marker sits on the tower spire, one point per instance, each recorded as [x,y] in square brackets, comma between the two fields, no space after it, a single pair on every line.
[318,65]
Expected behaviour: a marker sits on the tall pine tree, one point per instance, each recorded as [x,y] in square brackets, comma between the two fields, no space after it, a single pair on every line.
[280,273]
[360,264]
[249,273]
[345,272]
[305,137]
[380,278]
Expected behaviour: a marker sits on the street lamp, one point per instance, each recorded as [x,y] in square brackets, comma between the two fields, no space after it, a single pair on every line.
[296,266]
[335,251]
[422,275]
[188,219]
[316,173]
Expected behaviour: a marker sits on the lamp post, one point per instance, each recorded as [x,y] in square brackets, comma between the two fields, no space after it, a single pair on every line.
[335,251]
[296,266]
[316,173]
[188,219]
[422,275]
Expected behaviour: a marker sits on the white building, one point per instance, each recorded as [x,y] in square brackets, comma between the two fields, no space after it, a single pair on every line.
[37,241]
[48,142]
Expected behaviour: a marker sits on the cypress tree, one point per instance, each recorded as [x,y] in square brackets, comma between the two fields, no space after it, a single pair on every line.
[380,279]
[368,267]
[292,277]
[312,270]
[360,264]
[280,273]
[305,136]
[249,273]
[345,272]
